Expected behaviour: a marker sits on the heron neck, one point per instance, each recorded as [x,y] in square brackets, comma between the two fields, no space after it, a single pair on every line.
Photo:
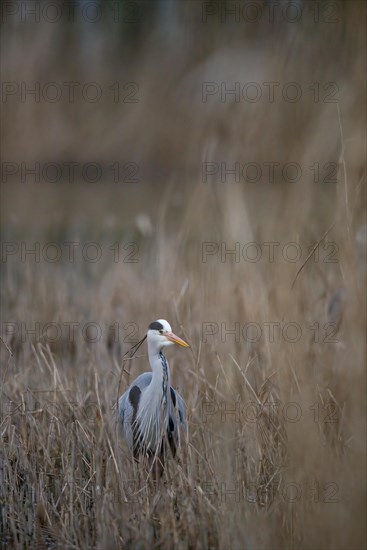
[161,375]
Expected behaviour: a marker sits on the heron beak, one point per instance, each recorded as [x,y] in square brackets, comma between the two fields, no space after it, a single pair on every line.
[173,338]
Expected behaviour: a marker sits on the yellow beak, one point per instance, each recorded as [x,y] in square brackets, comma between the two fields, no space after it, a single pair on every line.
[173,338]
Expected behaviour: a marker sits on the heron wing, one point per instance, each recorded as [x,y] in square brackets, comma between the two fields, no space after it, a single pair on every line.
[177,420]
[128,404]
[179,407]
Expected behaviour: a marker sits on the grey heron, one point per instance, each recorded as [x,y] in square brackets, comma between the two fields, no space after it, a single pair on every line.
[151,412]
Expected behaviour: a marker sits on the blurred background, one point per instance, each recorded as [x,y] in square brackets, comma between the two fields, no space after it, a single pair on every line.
[151,129]
[134,82]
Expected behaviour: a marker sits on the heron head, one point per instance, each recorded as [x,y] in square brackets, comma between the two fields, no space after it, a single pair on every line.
[160,333]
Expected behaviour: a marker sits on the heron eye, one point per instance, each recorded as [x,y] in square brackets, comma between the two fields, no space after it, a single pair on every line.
[161,332]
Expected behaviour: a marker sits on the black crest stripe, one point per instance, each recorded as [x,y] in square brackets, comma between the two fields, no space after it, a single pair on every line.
[155,326]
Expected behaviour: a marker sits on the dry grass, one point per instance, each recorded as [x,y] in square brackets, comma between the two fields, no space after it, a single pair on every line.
[67,480]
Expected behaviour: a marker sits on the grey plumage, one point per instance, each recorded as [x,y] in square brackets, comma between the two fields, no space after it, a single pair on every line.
[128,416]
[151,413]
